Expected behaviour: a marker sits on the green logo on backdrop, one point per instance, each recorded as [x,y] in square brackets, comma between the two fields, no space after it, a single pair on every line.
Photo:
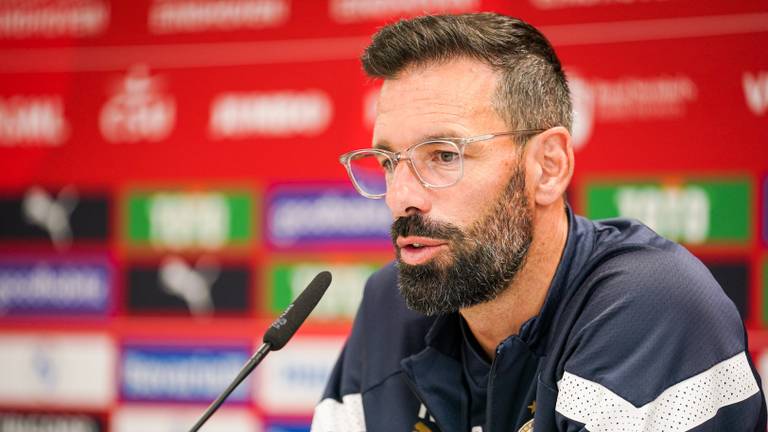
[189,220]
[693,212]
[288,280]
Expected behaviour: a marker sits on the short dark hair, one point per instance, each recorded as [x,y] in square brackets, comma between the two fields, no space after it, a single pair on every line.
[532,91]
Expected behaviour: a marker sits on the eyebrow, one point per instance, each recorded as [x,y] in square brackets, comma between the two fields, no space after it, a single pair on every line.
[384,145]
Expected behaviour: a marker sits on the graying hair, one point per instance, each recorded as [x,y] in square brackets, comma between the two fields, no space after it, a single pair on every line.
[532,92]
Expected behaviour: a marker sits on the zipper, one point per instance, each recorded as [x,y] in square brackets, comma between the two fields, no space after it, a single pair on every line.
[489,390]
[418,395]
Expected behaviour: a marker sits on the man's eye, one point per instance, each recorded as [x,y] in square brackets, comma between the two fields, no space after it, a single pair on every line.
[386,163]
[447,157]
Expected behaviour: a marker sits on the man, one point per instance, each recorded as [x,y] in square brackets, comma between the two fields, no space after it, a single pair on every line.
[504,311]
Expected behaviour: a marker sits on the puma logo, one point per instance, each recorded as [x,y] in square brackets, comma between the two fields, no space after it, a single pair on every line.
[191,284]
[51,213]
[756,91]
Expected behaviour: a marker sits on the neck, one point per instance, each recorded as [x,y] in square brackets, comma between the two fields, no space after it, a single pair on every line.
[494,321]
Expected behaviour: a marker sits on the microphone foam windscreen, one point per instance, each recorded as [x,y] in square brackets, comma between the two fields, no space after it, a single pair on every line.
[289,321]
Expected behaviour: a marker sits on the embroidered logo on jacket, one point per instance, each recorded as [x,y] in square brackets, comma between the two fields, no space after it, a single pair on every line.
[421,427]
[527,427]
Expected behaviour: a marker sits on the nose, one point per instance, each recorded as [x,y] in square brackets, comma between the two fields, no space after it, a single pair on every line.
[405,193]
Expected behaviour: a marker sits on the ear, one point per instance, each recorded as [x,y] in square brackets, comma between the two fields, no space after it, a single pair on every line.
[550,155]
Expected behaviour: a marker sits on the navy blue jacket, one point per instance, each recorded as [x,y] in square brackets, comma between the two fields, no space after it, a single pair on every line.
[634,335]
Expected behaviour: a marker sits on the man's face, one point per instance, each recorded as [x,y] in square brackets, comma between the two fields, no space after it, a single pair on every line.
[462,245]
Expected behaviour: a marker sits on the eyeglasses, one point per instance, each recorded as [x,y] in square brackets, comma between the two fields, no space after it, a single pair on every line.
[437,163]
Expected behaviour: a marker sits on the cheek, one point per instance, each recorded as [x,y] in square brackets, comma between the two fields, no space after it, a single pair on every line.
[476,194]
[470,204]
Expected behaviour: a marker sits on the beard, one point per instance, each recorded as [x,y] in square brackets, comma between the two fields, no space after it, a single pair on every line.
[483,259]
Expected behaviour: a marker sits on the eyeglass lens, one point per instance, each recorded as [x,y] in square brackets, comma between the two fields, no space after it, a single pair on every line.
[438,163]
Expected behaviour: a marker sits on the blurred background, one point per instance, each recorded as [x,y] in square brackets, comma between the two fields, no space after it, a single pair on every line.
[169,182]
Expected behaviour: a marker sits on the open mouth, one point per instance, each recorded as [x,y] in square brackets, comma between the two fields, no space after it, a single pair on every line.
[416,251]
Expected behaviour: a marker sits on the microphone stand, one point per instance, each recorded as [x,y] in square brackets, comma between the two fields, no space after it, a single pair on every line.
[254,361]
[278,334]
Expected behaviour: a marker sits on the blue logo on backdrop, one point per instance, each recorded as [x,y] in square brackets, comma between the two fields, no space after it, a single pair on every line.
[315,215]
[181,374]
[288,427]
[34,286]
[307,375]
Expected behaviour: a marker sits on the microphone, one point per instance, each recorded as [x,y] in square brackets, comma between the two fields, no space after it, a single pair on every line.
[278,334]
[292,317]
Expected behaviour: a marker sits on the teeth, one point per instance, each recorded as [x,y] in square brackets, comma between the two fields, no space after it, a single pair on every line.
[417,245]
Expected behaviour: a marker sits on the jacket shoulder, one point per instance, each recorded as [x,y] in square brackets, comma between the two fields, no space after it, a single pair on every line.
[656,336]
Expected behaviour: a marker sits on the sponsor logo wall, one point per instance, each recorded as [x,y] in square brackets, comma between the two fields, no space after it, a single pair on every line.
[194,220]
[47,286]
[695,212]
[57,369]
[167,373]
[294,382]
[170,182]
[63,421]
[340,217]
[169,418]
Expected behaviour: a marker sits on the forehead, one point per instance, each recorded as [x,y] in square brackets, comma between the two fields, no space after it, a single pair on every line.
[445,99]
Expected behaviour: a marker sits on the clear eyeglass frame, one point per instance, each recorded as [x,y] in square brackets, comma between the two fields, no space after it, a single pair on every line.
[394,158]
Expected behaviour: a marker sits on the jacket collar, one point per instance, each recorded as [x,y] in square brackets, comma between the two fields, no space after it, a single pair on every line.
[445,333]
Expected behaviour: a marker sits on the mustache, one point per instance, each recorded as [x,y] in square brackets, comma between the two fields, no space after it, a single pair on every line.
[418,225]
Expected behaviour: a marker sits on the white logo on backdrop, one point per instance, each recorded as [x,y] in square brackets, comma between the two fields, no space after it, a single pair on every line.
[138,109]
[345,11]
[193,285]
[51,214]
[187,16]
[32,120]
[674,212]
[558,4]
[57,18]
[756,91]
[283,113]
[292,384]
[57,370]
[597,100]
[175,418]
[583,111]
[638,98]
[180,221]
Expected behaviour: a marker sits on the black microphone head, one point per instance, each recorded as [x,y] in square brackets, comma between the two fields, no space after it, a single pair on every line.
[289,321]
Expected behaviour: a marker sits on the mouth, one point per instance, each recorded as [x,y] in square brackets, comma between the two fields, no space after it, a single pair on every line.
[419,250]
